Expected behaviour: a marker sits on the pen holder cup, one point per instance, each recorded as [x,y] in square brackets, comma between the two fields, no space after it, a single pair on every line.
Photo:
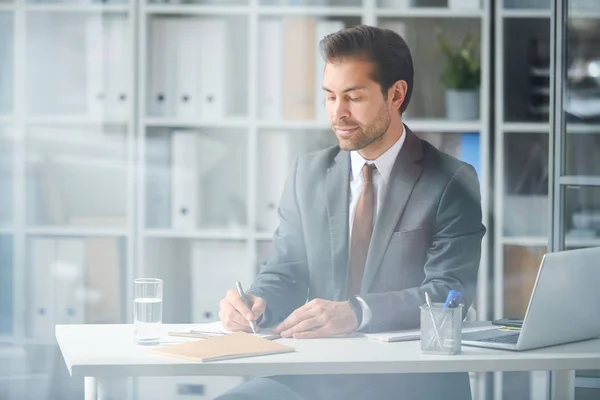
[441,329]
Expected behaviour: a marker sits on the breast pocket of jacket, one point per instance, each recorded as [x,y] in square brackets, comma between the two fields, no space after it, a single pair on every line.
[410,235]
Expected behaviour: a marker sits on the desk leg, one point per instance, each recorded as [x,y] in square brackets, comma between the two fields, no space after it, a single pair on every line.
[562,385]
[91,388]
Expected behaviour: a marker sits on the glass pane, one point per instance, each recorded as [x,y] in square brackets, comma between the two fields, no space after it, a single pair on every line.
[6,177]
[527,4]
[526,69]
[344,3]
[526,185]
[436,97]
[277,149]
[582,90]
[581,216]
[521,265]
[6,63]
[77,176]
[78,65]
[197,67]
[196,179]
[290,66]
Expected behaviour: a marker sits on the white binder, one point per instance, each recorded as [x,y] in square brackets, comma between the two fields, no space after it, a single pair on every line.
[188,42]
[118,67]
[162,52]
[69,281]
[158,181]
[270,78]
[95,60]
[323,28]
[216,266]
[212,36]
[184,180]
[274,164]
[42,292]
[102,276]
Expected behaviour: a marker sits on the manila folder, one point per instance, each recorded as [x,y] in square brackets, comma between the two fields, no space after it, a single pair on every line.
[234,345]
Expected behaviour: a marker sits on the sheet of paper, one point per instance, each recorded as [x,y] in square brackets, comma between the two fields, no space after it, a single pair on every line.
[415,334]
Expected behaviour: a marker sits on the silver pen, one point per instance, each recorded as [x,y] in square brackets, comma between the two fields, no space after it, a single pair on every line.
[238,285]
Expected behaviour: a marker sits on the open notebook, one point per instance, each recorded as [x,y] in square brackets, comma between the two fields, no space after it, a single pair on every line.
[224,347]
[204,331]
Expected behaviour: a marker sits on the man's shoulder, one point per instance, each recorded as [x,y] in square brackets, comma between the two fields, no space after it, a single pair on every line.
[318,160]
[441,163]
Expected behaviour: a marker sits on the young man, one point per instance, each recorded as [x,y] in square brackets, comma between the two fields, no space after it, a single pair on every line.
[366,228]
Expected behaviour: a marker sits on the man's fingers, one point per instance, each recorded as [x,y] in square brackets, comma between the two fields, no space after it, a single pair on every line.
[229,314]
[258,307]
[306,325]
[236,301]
[234,326]
[324,331]
[299,315]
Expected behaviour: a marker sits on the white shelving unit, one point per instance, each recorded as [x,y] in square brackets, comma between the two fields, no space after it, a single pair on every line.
[236,225]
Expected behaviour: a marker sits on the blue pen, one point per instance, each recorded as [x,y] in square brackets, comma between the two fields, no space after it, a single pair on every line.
[453,299]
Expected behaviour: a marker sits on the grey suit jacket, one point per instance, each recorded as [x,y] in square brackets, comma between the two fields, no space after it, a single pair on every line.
[427,236]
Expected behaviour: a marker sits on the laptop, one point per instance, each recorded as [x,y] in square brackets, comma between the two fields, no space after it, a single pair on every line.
[563,307]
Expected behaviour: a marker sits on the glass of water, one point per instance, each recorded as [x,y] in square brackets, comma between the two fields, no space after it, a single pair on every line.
[147,310]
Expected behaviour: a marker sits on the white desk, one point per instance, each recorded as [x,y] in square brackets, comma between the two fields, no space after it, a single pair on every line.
[99,352]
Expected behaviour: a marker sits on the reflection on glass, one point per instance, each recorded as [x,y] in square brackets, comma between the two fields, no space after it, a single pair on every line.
[77,176]
[521,265]
[581,216]
[344,3]
[526,190]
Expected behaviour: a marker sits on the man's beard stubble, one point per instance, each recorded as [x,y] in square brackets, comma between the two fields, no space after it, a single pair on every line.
[366,135]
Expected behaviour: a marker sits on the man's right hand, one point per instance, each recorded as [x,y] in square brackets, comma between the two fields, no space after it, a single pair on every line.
[234,314]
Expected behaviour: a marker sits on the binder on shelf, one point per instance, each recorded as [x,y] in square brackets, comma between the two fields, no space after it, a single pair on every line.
[158,181]
[118,67]
[215,267]
[270,78]
[299,68]
[102,281]
[323,28]
[6,183]
[42,306]
[95,60]
[273,169]
[188,67]
[68,270]
[161,66]
[212,36]
[186,207]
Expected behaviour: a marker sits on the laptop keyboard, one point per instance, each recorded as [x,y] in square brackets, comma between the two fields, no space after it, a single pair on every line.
[509,339]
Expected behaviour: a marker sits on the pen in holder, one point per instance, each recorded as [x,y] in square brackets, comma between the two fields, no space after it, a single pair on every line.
[441,328]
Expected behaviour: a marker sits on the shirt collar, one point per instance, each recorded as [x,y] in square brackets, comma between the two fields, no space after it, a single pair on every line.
[384,162]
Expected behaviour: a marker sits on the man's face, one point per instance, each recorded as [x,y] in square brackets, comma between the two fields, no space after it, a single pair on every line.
[357,110]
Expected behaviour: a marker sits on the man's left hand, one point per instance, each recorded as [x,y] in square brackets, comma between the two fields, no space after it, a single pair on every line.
[319,318]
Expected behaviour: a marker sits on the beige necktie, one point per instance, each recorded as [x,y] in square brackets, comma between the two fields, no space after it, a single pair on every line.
[362,228]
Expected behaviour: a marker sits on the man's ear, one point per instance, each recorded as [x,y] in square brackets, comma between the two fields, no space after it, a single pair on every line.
[397,94]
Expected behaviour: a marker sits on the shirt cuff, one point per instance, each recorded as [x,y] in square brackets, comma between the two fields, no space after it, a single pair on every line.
[366,313]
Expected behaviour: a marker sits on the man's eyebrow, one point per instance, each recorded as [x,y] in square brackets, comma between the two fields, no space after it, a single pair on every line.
[346,90]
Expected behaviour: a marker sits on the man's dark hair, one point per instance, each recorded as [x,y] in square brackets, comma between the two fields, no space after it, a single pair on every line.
[387,50]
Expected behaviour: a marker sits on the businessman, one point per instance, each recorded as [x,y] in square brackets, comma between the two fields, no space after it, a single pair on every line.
[366,228]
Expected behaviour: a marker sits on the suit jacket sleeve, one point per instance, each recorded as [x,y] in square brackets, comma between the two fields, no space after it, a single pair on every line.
[283,279]
[452,260]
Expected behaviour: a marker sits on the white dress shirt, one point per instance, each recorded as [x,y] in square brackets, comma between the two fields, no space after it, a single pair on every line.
[381,177]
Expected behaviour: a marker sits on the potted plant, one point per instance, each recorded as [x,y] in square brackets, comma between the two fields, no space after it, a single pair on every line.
[462,77]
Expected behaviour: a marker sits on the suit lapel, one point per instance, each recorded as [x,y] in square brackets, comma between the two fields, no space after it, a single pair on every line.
[338,189]
[405,174]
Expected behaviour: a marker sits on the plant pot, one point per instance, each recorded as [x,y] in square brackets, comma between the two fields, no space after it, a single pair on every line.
[464,4]
[462,105]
